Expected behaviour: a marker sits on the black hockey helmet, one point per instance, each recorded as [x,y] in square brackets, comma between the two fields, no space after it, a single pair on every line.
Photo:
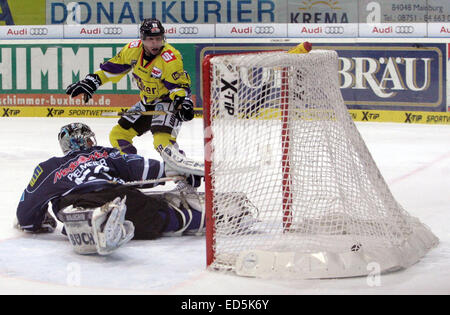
[76,136]
[151,27]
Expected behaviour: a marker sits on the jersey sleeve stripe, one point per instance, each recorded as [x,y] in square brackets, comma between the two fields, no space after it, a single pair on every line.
[173,86]
[146,168]
[161,169]
[115,68]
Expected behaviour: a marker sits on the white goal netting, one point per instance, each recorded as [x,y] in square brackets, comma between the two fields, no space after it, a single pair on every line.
[294,190]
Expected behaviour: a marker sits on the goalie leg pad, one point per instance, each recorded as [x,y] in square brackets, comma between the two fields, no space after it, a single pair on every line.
[116,231]
[97,231]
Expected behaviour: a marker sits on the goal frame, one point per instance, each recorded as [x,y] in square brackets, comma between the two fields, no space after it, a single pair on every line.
[405,249]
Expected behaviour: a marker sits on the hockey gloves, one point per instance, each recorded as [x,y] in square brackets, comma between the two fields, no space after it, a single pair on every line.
[184,107]
[87,86]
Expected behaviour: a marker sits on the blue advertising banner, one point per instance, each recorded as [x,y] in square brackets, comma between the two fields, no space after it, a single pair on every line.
[242,11]
[392,76]
[375,76]
[168,11]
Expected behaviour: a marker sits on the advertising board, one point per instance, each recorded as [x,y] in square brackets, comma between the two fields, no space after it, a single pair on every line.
[383,76]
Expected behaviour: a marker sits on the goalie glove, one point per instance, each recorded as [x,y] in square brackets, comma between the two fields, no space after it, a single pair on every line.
[184,107]
[87,87]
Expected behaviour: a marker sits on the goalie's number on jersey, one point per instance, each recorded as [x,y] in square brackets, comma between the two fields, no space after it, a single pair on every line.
[98,169]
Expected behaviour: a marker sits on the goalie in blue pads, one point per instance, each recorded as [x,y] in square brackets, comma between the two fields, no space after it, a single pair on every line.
[88,193]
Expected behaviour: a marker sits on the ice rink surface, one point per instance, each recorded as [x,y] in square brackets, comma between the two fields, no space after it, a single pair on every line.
[414,159]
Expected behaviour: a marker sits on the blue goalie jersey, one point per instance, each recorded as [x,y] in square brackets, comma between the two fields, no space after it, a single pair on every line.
[81,171]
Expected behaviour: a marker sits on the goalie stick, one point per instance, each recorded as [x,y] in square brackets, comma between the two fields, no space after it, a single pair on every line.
[149,181]
[146,113]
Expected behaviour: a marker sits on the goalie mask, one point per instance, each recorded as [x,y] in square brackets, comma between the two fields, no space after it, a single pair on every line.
[76,136]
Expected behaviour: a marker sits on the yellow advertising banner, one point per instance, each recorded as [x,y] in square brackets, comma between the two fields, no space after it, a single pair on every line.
[408,117]
[60,111]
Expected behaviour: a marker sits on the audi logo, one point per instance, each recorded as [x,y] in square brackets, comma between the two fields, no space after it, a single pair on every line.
[188,30]
[112,30]
[404,29]
[264,30]
[334,30]
[38,31]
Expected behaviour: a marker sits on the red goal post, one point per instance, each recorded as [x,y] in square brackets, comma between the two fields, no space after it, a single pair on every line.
[304,47]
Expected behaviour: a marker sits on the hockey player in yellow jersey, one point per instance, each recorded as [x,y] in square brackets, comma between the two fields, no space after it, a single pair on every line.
[157,68]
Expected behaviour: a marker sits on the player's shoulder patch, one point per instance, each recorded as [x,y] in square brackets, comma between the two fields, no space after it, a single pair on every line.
[168,56]
[134,44]
[37,172]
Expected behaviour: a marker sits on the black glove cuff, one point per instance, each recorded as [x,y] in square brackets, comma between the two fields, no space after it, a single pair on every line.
[177,102]
[93,80]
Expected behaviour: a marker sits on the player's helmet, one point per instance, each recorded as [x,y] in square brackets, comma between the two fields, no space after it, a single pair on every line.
[76,136]
[151,27]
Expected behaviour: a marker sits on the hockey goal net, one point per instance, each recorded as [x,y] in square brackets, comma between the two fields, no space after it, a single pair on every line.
[291,188]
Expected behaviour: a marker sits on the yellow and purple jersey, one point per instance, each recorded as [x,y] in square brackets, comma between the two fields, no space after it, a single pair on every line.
[162,78]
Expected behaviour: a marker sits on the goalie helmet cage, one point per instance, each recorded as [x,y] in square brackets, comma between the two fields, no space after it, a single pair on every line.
[291,190]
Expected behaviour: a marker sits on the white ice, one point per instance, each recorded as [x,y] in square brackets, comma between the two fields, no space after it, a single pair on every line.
[414,159]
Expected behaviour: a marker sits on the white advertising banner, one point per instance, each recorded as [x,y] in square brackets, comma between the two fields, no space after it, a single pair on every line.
[323,30]
[393,30]
[225,30]
[189,30]
[101,31]
[438,29]
[243,30]
[31,31]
